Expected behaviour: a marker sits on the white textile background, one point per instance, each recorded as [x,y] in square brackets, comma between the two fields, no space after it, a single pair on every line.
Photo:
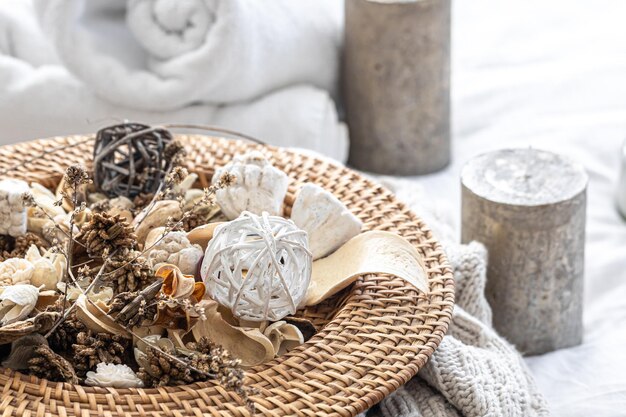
[544,73]
[552,75]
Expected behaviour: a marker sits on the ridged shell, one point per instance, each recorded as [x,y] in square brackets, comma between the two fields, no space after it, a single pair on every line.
[327,221]
[258,187]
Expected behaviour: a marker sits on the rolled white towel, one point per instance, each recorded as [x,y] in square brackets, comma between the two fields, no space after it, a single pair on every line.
[195,51]
[169,28]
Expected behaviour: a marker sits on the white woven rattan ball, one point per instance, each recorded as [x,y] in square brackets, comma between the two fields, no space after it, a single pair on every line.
[258,266]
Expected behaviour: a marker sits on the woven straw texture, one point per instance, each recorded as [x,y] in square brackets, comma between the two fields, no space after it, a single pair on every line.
[374,336]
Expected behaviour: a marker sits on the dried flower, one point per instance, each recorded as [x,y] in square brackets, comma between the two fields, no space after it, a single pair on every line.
[28,200]
[226,180]
[176,176]
[104,232]
[113,375]
[76,175]
[175,153]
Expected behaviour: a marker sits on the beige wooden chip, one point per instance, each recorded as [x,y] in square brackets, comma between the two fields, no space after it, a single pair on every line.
[368,253]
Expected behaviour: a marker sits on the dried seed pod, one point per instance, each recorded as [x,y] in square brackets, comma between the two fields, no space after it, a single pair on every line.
[127,163]
[12,208]
[179,286]
[42,322]
[16,303]
[173,248]
[284,336]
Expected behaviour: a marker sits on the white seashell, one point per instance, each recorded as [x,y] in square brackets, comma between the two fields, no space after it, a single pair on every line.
[326,220]
[16,302]
[48,269]
[45,200]
[13,218]
[111,375]
[16,271]
[174,248]
[258,186]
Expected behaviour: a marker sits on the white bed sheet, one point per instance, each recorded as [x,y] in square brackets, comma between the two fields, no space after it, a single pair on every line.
[551,74]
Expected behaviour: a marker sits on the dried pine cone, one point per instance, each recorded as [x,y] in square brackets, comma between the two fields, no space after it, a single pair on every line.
[50,366]
[17,247]
[23,243]
[104,233]
[6,243]
[208,361]
[66,334]
[165,371]
[92,348]
[128,271]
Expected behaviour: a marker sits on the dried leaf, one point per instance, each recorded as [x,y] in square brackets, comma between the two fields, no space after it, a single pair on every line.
[368,253]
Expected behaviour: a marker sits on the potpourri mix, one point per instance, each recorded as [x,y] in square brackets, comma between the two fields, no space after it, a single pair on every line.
[140,279]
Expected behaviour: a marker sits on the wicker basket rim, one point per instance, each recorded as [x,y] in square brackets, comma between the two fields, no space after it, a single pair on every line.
[427,314]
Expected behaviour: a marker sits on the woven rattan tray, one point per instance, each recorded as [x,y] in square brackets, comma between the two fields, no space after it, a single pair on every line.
[374,336]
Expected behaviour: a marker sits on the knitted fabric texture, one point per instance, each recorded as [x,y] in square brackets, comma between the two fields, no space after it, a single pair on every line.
[474,372]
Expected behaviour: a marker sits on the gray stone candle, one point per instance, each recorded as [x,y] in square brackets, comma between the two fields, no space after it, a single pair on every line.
[528,207]
[396,85]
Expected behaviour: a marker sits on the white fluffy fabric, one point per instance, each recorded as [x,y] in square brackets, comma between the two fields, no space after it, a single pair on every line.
[41,96]
[195,51]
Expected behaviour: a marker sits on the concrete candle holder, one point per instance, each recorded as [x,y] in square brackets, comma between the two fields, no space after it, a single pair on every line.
[528,208]
[396,79]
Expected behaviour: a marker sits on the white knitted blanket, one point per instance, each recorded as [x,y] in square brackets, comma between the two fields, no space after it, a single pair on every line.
[474,372]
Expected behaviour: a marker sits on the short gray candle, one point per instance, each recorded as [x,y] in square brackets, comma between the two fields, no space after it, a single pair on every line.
[528,207]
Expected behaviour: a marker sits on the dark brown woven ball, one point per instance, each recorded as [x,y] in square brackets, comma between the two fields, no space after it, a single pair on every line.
[126,162]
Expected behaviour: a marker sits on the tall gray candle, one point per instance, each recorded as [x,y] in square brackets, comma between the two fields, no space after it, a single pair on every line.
[528,207]
[396,85]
